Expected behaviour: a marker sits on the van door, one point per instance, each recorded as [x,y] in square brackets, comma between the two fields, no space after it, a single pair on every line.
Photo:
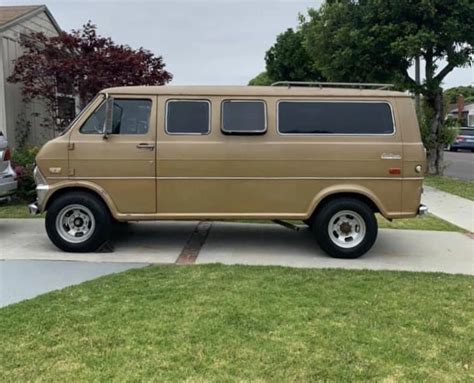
[123,163]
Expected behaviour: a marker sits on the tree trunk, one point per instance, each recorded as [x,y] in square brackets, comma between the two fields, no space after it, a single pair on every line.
[434,102]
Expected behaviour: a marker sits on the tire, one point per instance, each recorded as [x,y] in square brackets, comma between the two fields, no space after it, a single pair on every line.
[78,222]
[451,149]
[335,228]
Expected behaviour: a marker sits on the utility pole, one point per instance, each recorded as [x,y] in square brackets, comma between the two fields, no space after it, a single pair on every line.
[418,82]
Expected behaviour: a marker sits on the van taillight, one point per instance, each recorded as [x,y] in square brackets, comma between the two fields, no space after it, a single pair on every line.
[8,155]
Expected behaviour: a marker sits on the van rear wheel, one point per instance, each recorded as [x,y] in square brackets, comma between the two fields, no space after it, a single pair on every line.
[78,222]
[345,228]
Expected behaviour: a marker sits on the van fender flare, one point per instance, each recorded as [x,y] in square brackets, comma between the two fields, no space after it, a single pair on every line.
[62,187]
[333,191]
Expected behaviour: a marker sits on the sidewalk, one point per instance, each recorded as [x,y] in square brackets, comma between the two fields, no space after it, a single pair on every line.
[451,208]
[25,279]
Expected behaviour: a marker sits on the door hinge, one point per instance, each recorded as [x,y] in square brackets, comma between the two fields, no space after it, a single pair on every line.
[70,146]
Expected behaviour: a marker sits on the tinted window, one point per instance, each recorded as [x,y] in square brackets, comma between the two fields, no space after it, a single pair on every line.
[334,118]
[130,117]
[243,117]
[187,117]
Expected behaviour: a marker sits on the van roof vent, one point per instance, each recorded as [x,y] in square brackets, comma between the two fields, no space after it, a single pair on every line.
[318,84]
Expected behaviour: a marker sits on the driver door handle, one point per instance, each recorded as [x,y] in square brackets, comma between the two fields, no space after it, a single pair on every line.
[146,146]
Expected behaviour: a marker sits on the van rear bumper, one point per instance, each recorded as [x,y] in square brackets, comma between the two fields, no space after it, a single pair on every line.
[422,209]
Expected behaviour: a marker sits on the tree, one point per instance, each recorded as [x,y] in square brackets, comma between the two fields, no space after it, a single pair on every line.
[81,63]
[378,40]
[288,59]
[261,79]
[452,94]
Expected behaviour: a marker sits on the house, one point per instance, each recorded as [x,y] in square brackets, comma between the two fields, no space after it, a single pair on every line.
[467,115]
[21,122]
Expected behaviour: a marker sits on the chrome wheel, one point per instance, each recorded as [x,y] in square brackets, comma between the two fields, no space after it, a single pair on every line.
[75,223]
[346,229]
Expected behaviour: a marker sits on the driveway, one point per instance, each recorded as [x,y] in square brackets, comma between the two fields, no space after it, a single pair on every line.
[255,244]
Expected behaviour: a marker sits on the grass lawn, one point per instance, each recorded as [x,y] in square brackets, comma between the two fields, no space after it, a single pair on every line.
[456,186]
[241,323]
[16,210]
[427,222]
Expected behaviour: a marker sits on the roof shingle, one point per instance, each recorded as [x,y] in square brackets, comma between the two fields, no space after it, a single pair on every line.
[10,13]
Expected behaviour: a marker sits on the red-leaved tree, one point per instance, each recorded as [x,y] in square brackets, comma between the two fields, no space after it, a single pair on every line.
[81,63]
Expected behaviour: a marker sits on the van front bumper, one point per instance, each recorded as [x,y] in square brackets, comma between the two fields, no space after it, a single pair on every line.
[42,189]
[422,209]
[33,208]
[37,207]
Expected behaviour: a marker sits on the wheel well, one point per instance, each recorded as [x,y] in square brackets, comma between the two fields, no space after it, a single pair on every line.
[71,189]
[357,196]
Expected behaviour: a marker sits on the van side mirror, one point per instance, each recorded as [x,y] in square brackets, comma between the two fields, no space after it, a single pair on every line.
[109,116]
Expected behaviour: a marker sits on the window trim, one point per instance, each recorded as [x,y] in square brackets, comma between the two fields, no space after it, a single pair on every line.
[209,124]
[81,114]
[88,116]
[336,134]
[118,98]
[247,132]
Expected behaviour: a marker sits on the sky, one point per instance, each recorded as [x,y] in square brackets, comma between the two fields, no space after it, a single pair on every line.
[203,42]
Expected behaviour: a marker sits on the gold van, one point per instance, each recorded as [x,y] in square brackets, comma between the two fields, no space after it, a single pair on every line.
[332,157]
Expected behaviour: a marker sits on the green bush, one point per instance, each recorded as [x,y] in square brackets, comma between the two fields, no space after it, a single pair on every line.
[449,131]
[25,156]
[23,161]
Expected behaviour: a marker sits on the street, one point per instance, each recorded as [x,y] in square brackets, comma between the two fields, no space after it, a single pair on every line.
[459,165]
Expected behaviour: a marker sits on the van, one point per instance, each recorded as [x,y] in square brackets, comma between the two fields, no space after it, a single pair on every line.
[329,156]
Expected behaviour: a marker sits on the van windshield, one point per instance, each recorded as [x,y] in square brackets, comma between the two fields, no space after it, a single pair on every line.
[81,113]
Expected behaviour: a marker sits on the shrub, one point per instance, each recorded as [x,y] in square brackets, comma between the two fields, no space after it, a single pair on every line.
[23,161]
[25,156]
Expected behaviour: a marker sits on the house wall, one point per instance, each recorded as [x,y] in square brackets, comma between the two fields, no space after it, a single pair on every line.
[15,114]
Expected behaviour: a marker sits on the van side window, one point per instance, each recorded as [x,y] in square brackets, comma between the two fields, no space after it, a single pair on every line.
[188,117]
[319,117]
[243,117]
[131,116]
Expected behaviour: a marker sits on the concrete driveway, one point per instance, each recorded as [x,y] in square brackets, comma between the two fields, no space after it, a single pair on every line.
[255,244]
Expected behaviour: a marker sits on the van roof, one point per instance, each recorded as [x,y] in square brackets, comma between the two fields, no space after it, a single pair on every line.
[253,91]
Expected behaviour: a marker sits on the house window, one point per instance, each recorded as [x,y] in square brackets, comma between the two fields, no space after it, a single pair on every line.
[188,117]
[243,117]
[320,117]
[66,108]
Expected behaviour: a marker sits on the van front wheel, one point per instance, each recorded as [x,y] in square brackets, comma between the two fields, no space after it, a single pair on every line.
[345,228]
[78,222]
